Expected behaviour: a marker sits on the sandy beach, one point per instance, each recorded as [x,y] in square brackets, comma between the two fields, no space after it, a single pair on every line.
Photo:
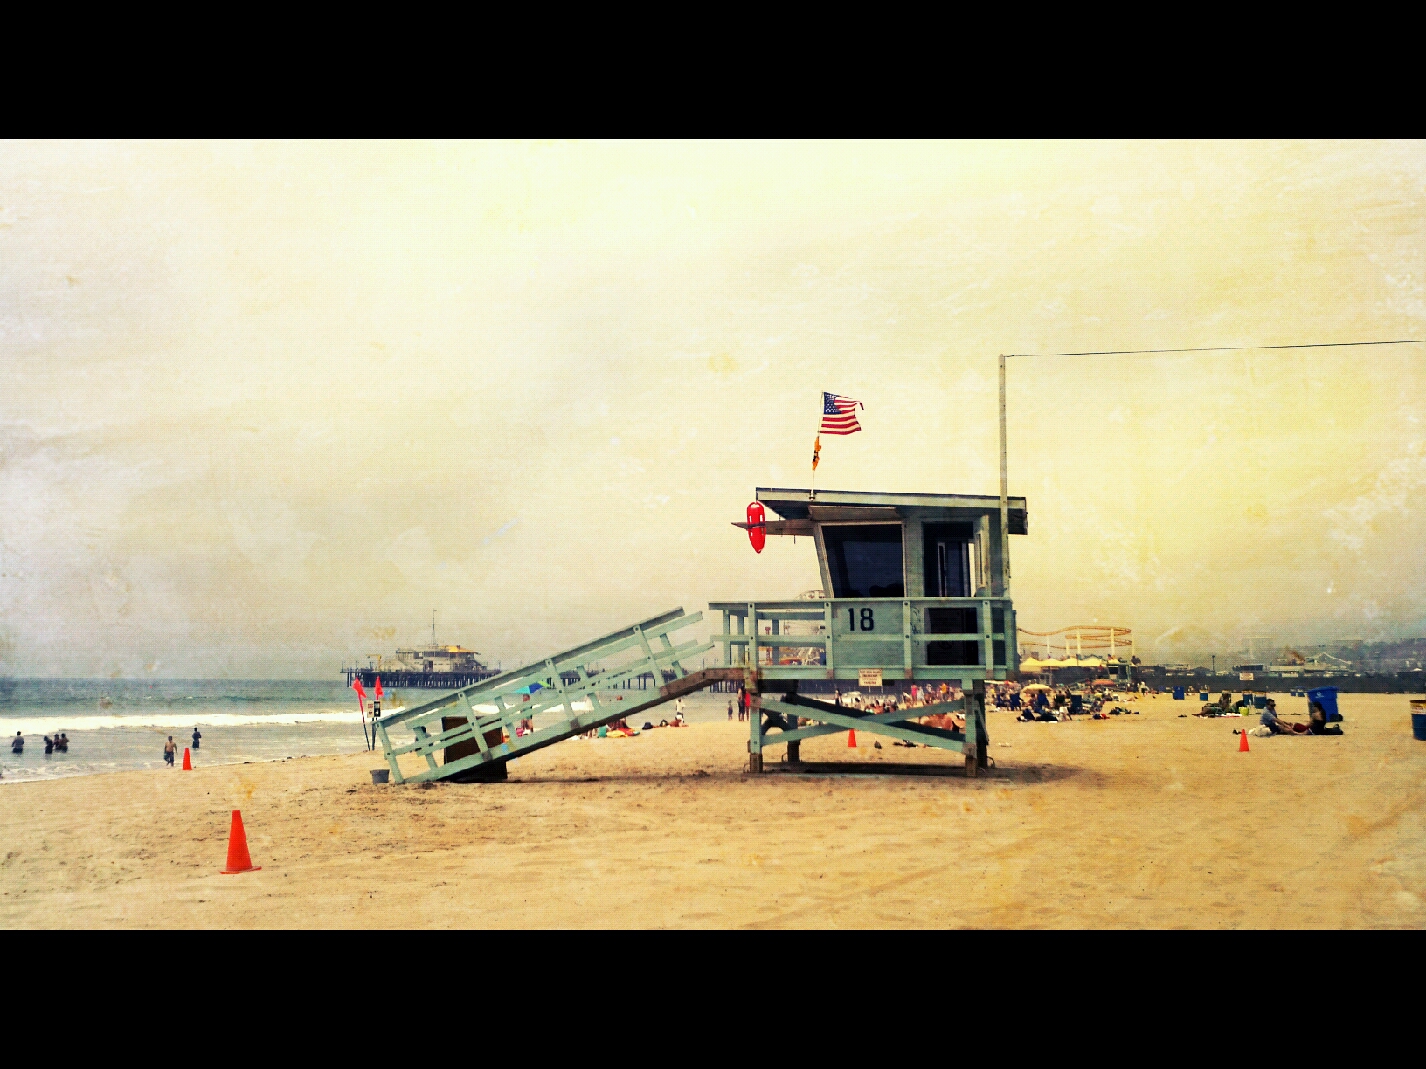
[1144,820]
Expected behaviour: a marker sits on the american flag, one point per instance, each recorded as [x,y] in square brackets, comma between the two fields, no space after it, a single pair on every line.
[839,414]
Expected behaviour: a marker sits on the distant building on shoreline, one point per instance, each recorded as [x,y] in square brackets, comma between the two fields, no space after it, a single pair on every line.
[436,667]
[436,659]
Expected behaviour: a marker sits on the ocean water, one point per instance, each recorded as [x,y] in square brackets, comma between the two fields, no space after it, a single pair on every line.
[120,725]
[116,725]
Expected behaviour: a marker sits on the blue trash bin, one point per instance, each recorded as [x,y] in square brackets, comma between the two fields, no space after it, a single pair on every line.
[1260,701]
[1418,719]
[1178,694]
[1203,695]
[1327,698]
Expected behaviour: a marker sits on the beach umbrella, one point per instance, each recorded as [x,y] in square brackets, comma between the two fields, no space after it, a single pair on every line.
[1036,686]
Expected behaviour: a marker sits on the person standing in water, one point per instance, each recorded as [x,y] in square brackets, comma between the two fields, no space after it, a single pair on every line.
[196,736]
[61,742]
[49,745]
[169,749]
[17,744]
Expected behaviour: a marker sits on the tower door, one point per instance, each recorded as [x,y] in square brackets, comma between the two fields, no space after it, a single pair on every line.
[948,559]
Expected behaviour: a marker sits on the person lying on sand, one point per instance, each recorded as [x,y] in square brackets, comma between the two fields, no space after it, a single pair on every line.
[1039,710]
[945,721]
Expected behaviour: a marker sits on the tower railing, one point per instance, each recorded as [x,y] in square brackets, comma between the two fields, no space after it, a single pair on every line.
[838,638]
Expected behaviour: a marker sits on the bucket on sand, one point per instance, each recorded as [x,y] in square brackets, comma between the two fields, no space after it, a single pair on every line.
[1327,698]
[381,775]
[1418,719]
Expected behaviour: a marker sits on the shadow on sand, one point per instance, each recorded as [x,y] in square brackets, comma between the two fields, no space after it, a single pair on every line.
[921,770]
[1002,775]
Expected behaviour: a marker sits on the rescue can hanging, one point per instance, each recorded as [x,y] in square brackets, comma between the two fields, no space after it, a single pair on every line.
[757,526]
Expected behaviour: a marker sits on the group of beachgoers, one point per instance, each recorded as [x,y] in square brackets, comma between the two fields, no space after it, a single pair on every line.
[1040,702]
[1317,721]
[58,744]
[621,728]
[170,748]
[909,701]
[1032,702]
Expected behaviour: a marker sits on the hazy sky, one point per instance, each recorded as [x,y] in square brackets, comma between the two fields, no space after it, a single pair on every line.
[264,406]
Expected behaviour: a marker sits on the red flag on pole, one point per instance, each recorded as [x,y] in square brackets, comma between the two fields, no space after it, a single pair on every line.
[378,688]
[361,694]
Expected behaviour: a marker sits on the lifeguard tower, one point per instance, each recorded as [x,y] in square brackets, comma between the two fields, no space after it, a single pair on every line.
[919,594]
[914,591]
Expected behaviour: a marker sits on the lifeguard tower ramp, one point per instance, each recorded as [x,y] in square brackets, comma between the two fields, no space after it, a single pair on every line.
[473,732]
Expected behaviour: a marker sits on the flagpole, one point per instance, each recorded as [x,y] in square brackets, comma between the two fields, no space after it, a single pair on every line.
[1004,494]
[816,454]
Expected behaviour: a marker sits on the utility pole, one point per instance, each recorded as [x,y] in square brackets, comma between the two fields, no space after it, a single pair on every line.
[433,627]
[1004,493]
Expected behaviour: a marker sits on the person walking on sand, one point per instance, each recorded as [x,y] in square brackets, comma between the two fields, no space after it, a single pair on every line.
[17,744]
[730,708]
[196,736]
[169,749]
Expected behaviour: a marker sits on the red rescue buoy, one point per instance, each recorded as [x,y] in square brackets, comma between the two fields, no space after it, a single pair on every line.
[757,526]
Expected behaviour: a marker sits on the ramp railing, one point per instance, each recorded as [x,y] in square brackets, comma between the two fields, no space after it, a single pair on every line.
[544,702]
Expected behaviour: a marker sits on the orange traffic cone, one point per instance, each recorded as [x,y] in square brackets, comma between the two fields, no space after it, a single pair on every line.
[238,859]
[1243,741]
[187,761]
[852,739]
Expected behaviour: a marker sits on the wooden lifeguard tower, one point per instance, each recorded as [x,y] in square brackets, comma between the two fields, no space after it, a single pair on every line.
[914,590]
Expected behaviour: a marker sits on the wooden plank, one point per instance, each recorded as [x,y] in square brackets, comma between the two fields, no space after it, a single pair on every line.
[755,717]
[893,729]
[834,514]
[906,639]
[810,709]
[783,527]
[700,679]
[796,501]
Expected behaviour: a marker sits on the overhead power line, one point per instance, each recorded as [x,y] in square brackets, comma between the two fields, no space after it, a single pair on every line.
[1231,348]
